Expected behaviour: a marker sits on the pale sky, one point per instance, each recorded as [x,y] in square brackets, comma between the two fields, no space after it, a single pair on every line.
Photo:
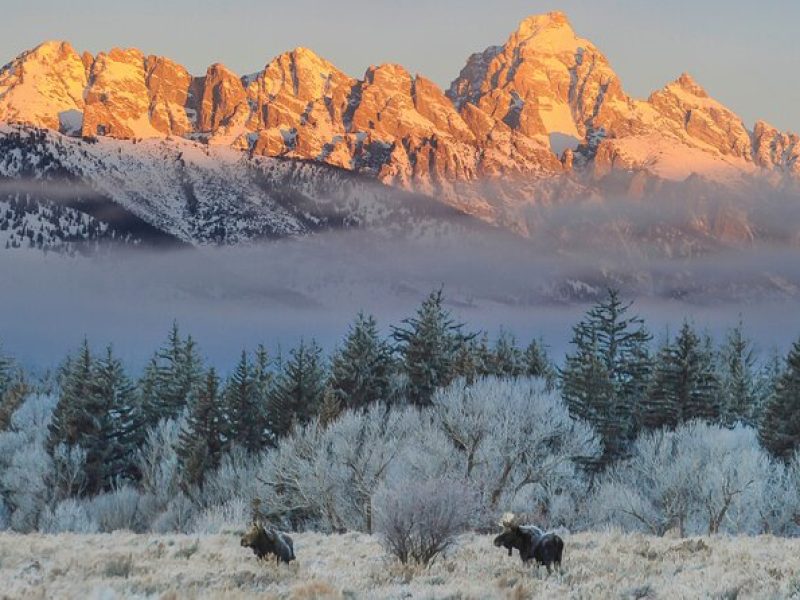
[745,53]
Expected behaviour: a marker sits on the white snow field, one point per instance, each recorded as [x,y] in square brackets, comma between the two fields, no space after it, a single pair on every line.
[353,565]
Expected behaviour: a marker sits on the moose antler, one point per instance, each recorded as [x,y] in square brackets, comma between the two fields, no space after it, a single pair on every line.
[509,520]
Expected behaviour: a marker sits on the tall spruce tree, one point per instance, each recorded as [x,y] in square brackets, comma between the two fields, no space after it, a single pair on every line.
[507,358]
[202,440]
[73,415]
[97,411]
[473,359]
[738,379]
[661,408]
[685,383]
[262,372]
[767,378]
[428,345]
[245,410]
[538,365]
[605,377]
[361,370]
[589,393]
[298,392]
[111,448]
[779,427]
[698,386]
[170,378]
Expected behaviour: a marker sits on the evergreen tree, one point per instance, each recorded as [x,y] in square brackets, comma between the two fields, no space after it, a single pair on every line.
[361,370]
[685,383]
[111,447]
[245,412]
[97,411]
[201,441]
[767,378]
[298,392]
[661,408]
[6,370]
[507,358]
[738,379]
[473,359]
[331,408]
[73,414]
[537,364]
[170,377]
[698,391]
[589,393]
[779,428]
[465,362]
[13,390]
[262,373]
[428,344]
[605,378]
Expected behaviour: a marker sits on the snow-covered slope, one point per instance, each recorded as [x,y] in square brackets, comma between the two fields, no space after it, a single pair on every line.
[192,193]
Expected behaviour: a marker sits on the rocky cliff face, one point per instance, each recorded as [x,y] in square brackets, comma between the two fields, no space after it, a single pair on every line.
[773,149]
[544,104]
[545,80]
[44,87]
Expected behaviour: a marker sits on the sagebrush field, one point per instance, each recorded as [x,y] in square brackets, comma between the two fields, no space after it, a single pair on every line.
[597,565]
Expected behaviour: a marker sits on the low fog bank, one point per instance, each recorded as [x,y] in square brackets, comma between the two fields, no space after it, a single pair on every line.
[277,292]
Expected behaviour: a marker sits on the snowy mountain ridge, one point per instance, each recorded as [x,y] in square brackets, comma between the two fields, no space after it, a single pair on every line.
[546,104]
[182,192]
[153,153]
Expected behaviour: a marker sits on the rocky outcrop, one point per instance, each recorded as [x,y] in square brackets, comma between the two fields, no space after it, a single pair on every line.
[699,119]
[44,87]
[222,101]
[397,126]
[298,105]
[172,96]
[773,149]
[117,99]
[545,80]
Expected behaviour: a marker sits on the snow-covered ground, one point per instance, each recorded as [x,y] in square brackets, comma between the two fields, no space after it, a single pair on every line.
[597,565]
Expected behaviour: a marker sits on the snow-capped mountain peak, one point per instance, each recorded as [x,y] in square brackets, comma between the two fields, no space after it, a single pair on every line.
[526,122]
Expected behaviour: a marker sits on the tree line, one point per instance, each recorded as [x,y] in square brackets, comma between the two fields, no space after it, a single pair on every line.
[614,378]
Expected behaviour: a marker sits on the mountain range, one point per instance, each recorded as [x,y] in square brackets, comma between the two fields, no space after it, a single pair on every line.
[143,150]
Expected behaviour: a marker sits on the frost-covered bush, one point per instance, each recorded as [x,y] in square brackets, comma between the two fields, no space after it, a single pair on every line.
[33,416]
[158,461]
[68,515]
[69,471]
[26,469]
[517,445]
[227,517]
[177,517]
[325,477]
[697,479]
[237,476]
[779,502]
[417,520]
[510,441]
[163,504]
[122,509]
